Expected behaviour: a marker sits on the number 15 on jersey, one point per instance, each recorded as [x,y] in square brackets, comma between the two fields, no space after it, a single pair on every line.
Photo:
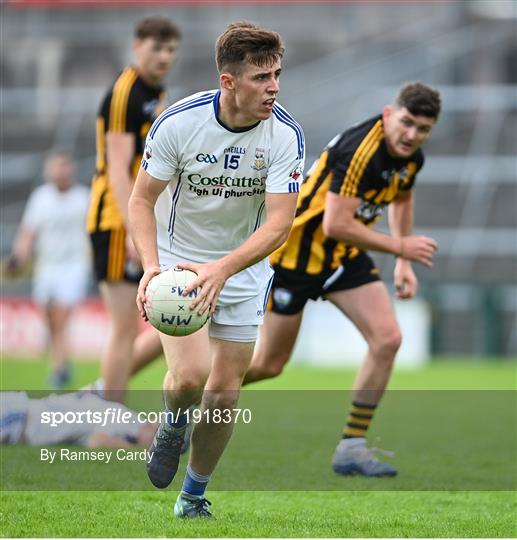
[231,161]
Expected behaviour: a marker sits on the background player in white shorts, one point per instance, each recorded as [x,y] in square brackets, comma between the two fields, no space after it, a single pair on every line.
[21,422]
[217,189]
[52,229]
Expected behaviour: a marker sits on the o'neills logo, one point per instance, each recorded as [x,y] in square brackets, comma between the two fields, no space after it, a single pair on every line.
[225,181]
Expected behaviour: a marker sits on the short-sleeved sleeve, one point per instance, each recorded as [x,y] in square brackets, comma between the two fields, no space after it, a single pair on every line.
[350,171]
[285,172]
[32,215]
[124,108]
[407,177]
[160,157]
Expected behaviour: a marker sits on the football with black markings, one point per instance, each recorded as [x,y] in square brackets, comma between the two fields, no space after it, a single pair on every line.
[166,307]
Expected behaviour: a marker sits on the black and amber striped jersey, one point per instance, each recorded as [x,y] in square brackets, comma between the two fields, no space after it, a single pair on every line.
[355,163]
[130,106]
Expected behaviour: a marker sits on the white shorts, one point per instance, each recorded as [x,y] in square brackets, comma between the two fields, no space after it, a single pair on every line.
[240,322]
[67,287]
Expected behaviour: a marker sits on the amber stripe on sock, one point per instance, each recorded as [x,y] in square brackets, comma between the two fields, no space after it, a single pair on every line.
[359,419]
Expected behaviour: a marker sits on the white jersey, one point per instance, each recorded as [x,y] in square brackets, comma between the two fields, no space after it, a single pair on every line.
[23,420]
[58,219]
[217,180]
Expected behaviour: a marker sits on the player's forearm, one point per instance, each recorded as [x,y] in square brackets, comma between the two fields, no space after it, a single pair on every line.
[400,217]
[22,247]
[122,186]
[355,233]
[257,247]
[142,226]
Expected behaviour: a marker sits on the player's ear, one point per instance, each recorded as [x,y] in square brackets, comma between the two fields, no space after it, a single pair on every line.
[138,50]
[386,112]
[227,81]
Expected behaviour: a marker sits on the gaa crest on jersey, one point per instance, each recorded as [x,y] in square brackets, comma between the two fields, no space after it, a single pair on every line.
[259,163]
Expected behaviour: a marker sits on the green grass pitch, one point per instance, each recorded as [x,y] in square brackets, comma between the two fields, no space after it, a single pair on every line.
[352,508]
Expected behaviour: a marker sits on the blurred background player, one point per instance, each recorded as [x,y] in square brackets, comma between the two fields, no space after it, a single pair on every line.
[52,229]
[21,422]
[369,166]
[125,116]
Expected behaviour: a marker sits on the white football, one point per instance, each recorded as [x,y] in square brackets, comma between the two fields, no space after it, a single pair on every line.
[166,307]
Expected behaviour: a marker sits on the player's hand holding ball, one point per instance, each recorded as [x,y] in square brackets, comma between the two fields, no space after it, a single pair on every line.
[168,296]
[142,286]
[211,277]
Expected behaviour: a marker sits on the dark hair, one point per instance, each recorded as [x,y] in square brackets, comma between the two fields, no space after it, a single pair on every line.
[246,42]
[156,27]
[419,99]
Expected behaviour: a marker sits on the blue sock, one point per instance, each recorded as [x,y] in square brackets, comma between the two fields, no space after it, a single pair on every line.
[194,484]
[176,421]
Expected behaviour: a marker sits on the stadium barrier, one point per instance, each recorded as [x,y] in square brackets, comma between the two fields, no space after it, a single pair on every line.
[326,337]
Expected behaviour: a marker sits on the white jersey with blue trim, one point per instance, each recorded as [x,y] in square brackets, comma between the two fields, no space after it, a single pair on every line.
[217,180]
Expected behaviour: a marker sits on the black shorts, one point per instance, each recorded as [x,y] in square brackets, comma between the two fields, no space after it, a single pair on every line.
[291,289]
[109,257]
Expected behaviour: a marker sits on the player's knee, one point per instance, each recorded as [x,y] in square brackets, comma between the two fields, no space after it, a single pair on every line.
[269,366]
[193,382]
[392,341]
[221,399]
[124,330]
[387,343]
[272,369]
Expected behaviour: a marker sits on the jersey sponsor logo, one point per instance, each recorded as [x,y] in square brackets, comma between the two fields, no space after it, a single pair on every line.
[222,186]
[225,181]
[206,158]
[259,163]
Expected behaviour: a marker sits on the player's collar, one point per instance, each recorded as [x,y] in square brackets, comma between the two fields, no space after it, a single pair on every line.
[222,124]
